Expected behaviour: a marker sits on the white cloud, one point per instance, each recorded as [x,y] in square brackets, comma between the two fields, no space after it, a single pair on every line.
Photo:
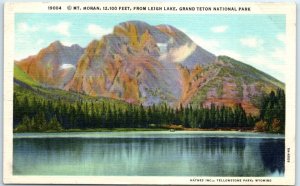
[278,68]
[267,64]
[208,44]
[28,47]
[252,42]
[271,62]
[62,28]
[281,37]
[96,30]
[179,54]
[25,27]
[259,60]
[39,42]
[219,29]
[214,46]
[279,54]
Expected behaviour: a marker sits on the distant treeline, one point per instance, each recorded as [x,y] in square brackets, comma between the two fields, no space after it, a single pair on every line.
[36,113]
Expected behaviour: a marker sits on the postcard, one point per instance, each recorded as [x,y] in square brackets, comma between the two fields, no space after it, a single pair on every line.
[149,93]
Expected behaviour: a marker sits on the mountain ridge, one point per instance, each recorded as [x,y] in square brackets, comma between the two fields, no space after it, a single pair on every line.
[54,65]
[143,64]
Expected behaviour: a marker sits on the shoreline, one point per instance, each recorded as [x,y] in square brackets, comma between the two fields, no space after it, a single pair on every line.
[146,129]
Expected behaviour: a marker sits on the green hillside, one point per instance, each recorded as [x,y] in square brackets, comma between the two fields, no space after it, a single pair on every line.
[20,75]
[248,72]
[237,76]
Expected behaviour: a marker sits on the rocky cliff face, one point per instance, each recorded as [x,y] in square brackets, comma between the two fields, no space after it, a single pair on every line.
[229,82]
[140,63]
[53,66]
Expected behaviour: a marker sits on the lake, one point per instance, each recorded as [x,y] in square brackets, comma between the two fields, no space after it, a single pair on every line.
[159,153]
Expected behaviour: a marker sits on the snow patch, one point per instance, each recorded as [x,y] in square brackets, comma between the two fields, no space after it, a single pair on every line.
[66,66]
[162,47]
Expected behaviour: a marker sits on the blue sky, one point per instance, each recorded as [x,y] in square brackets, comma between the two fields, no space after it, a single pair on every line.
[258,40]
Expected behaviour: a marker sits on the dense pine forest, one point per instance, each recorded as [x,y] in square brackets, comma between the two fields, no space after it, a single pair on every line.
[272,113]
[34,112]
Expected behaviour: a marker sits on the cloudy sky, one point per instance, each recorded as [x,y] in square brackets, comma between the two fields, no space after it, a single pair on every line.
[258,40]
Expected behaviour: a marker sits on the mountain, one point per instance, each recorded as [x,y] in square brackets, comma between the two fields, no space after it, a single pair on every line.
[143,64]
[230,82]
[53,66]
[138,63]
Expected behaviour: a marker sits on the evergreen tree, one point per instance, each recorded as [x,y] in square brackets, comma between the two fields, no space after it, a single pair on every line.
[54,124]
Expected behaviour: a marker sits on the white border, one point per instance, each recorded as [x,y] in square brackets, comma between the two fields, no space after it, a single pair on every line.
[289,9]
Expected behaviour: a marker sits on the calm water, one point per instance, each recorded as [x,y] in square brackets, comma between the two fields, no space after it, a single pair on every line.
[149,154]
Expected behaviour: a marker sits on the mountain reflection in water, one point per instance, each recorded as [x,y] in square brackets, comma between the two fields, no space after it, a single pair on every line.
[185,156]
